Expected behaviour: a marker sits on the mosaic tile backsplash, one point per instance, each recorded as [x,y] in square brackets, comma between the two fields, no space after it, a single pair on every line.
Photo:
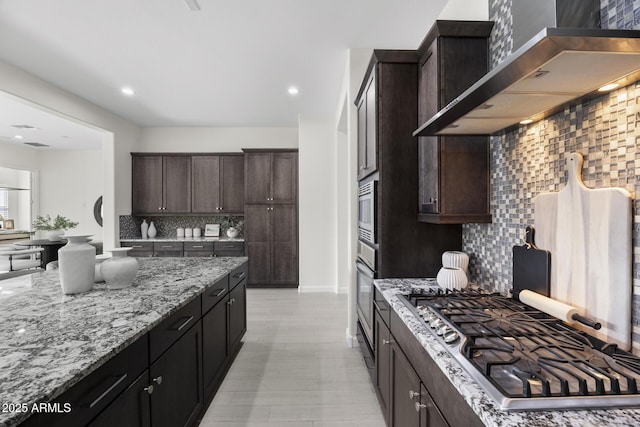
[530,160]
[166,225]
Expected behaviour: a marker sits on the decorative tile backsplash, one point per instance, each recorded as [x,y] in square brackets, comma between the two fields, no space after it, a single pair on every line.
[166,225]
[530,160]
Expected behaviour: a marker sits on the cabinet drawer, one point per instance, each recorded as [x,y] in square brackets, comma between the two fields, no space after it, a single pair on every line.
[381,306]
[215,293]
[94,393]
[166,333]
[198,246]
[167,249]
[229,248]
[139,249]
[238,275]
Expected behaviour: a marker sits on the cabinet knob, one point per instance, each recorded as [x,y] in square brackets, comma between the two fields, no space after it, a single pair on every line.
[149,389]
[420,406]
[158,380]
[413,394]
[385,342]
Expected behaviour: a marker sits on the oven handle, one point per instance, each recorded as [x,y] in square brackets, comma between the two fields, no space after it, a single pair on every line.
[364,269]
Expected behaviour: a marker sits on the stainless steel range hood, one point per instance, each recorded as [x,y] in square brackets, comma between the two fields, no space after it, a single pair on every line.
[557,67]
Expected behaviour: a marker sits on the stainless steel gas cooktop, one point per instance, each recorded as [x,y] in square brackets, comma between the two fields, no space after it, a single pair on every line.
[524,358]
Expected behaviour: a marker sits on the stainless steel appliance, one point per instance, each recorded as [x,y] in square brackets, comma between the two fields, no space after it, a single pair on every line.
[364,300]
[524,358]
[367,211]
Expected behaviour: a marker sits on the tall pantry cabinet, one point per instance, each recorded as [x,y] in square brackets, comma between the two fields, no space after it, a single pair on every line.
[271,217]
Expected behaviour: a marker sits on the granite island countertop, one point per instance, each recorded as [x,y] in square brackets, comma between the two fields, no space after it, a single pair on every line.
[185,239]
[481,403]
[50,341]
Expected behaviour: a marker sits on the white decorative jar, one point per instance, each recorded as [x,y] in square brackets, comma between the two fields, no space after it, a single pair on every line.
[152,232]
[120,270]
[232,232]
[452,278]
[99,260]
[455,259]
[76,264]
[144,229]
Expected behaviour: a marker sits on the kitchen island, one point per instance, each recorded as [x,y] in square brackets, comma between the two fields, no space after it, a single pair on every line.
[471,393]
[49,342]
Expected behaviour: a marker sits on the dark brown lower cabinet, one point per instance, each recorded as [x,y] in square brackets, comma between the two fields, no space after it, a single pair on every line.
[405,386]
[430,416]
[177,382]
[237,315]
[130,409]
[383,368]
[214,346]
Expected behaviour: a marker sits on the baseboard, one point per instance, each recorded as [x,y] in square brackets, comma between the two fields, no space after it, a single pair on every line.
[352,340]
[270,286]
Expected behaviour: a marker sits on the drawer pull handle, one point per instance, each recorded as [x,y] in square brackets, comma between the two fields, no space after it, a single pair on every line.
[167,246]
[107,391]
[198,246]
[420,406]
[413,394]
[228,246]
[385,342]
[158,380]
[136,246]
[149,389]
[239,276]
[220,292]
[185,323]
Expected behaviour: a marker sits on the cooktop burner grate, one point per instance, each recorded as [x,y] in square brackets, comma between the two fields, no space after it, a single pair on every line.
[524,353]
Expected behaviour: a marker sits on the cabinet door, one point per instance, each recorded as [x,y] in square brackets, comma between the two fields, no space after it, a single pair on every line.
[237,315]
[130,409]
[284,246]
[177,184]
[177,380]
[205,172]
[372,122]
[405,386]
[430,416]
[214,346]
[383,369]
[362,138]
[232,188]
[284,172]
[257,234]
[257,177]
[146,191]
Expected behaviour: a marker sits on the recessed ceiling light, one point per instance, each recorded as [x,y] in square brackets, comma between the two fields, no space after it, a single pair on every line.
[610,86]
[293,90]
[526,121]
[127,91]
[18,137]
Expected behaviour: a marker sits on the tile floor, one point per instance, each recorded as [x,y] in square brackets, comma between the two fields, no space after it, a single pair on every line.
[295,369]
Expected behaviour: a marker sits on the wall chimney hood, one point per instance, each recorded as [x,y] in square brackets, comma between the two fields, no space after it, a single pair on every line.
[556,68]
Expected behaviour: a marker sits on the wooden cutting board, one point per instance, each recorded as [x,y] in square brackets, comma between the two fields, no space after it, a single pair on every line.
[588,232]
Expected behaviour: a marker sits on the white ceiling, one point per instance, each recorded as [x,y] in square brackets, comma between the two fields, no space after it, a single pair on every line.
[229,64]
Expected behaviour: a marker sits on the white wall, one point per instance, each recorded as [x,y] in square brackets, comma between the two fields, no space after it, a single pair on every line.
[70,183]
[119,140]
[216,139]
[465,10]
[317,209]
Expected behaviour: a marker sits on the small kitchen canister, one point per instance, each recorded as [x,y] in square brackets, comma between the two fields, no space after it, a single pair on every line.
[197,232]
[180,232]
[76,265]
[188,232]
[455,259]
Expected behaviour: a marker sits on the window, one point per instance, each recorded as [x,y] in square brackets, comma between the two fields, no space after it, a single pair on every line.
[4,203]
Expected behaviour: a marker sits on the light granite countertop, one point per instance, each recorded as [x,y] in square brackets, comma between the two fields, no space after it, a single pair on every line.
[481,403]
[185,239]
[50,341]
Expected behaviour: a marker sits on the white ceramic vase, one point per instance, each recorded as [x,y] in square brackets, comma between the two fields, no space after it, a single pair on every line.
[455,259]
[232,232]
[152,231]
[55,235]
[452,278]
[144,229]
[120,270]
[76,265]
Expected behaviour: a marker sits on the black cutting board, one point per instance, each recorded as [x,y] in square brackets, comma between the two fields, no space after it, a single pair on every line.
[531,267]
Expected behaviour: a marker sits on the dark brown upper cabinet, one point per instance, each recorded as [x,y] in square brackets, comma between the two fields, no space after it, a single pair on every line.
[217,183]
[367,133]
[272,176]
[454,170]
[161,184]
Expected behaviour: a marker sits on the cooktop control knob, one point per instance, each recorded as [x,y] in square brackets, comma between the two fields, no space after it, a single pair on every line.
[443,330]
[451,336]
[436,324]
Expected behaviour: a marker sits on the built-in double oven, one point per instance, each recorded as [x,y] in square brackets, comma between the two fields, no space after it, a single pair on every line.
[366,267]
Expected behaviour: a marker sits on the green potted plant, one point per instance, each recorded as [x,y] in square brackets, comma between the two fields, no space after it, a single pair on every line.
[54,228]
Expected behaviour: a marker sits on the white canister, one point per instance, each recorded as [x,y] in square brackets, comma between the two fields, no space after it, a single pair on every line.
[451,278]
[76,262]
[180,232]
[455,259]
[197,232]
[188,232]
[120,270]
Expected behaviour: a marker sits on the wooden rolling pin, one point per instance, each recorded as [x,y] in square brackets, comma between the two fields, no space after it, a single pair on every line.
[555,308]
